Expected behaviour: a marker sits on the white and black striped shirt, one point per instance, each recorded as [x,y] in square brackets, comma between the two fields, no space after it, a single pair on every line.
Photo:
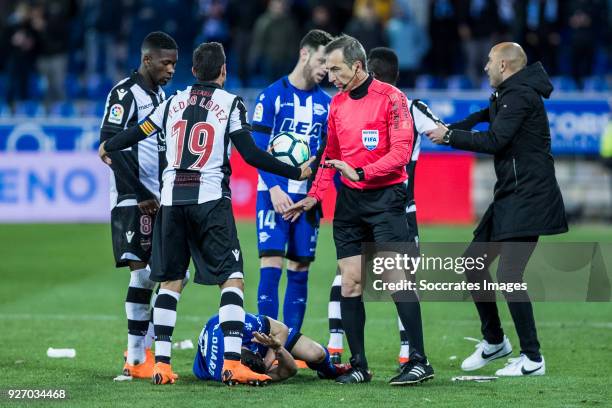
[128,103]
[423,120]
[193,129]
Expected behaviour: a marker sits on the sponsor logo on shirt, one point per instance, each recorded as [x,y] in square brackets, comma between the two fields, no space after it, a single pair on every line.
[115,114]
[147,106]
[319,109]
[369,138]
[258,113]
[121,93]
[263,237]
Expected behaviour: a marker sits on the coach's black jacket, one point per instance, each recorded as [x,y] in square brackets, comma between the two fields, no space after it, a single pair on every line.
[527,200]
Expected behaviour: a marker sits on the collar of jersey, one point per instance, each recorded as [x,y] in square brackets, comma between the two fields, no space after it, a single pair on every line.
[140,81]
[361,90]
[209,84]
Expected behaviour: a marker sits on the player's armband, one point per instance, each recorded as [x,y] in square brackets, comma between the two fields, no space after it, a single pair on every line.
[147,127]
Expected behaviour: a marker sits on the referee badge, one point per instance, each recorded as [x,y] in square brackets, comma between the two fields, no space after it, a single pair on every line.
[369,138]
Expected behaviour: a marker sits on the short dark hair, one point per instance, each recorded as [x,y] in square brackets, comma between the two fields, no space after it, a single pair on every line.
[315,38]
[158,40]
[208,59]
[352,50]
[383,64]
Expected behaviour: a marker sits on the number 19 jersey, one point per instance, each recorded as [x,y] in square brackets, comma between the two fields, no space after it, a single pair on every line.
[193,129]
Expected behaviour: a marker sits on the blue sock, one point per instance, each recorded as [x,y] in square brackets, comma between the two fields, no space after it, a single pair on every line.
[267,293]
[294,306]
[325,367]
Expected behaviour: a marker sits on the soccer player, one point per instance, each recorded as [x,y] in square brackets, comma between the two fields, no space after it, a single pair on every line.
[268,347]
[194,128]
[295,103]
[135,189]
[370,136]
[383,65]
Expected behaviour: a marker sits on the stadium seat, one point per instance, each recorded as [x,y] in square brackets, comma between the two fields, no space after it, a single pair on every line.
[458,82]
[563,83]
[425,82]
[64,109]
[98,87]
[596,83]
[29,108]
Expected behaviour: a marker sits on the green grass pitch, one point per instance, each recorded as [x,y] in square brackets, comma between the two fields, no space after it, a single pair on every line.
[59,289]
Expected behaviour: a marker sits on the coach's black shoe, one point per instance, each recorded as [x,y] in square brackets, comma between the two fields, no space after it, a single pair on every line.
[413,372]
[356,374]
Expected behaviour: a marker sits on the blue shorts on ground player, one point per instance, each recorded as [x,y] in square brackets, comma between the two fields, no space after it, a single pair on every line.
[208,362]
[296,241]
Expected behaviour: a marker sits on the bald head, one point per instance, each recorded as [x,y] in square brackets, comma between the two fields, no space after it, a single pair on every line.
[505,59]
[512,53]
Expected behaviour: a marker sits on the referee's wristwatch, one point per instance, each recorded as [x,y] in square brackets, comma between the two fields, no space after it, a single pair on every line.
[360,173]
[447,136]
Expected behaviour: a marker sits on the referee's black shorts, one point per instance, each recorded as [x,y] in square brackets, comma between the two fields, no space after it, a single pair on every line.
[369,216]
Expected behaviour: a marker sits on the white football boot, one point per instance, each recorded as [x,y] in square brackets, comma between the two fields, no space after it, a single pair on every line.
[522,366]
[485,353]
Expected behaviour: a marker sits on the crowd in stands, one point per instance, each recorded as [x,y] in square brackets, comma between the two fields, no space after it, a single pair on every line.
[57,50]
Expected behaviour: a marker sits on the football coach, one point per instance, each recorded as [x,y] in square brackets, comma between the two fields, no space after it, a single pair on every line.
[369,140]
[527,201]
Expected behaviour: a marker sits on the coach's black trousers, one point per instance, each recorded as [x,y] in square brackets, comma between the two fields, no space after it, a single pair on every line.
[514,254]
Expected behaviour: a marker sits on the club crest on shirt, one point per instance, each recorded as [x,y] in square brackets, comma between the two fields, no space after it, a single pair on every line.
[369,138]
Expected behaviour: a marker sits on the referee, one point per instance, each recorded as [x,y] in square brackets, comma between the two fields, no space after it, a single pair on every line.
[527,201]
[369,140]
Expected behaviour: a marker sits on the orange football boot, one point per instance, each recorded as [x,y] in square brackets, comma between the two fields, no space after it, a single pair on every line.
[234,372]
[163,374]
[142,370]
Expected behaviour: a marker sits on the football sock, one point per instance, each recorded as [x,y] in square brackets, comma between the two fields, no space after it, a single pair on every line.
[164,319]
[137,310]
[231,320]
[267,292]
[409,311]
[325,366]
[150,337]
[294,305]
[334,315]
[353,321]
[404,349]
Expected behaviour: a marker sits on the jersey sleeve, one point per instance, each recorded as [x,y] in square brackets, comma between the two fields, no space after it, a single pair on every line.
[324,175]
[262,123]
[401,137]
[424,119]
[120,107]
[238,117]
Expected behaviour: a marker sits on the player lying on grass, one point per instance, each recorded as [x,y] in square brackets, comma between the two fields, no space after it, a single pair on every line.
[268,347]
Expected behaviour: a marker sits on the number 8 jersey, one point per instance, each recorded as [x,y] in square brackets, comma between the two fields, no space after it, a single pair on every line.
[193,129]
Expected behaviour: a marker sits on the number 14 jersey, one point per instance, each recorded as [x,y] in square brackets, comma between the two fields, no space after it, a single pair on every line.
[193,129]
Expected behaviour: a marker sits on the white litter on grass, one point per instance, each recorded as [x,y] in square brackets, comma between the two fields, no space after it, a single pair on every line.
[471,339]
[476,378]
[183,345]
[122,378]
[61,352]
[452,358]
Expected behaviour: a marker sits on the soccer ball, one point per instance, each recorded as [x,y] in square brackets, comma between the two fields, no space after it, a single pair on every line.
[290,148]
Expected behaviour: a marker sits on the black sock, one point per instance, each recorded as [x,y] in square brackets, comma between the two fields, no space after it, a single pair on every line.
[409,311]
[353,322]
